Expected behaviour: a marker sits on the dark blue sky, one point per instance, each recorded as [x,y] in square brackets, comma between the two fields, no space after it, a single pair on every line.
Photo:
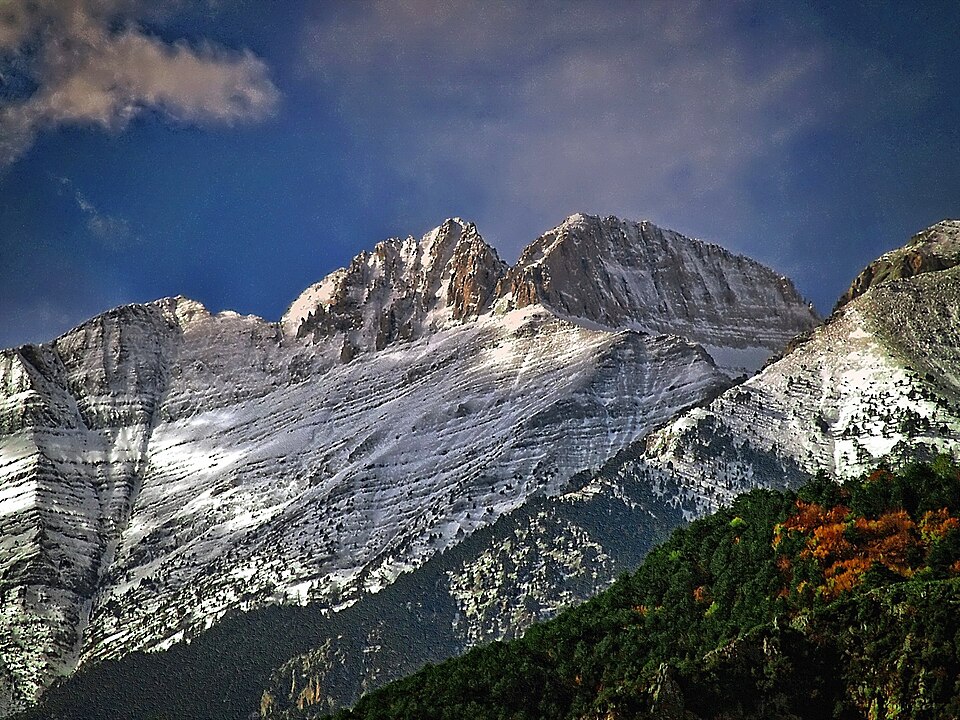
[236,152]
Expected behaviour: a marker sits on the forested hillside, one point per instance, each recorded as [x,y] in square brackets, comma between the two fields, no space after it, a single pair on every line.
[834,601]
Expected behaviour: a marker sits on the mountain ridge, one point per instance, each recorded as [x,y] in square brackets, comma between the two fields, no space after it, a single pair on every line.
[163,465]
[798,415]
[614,289]
[935,248]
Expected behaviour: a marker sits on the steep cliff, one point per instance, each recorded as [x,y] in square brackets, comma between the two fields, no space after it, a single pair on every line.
[620,274]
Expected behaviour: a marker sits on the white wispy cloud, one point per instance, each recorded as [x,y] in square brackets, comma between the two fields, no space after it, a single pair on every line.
[92,64]
[112,232]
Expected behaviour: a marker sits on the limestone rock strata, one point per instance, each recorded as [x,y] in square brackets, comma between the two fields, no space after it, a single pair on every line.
[602,273]
[618,273]
[162,466]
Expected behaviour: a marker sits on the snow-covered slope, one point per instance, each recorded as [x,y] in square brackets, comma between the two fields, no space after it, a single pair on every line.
[161,465]
[879,380]
[75,418]
[328,487]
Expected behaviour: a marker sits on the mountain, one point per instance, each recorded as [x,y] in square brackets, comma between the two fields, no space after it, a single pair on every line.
[936,248]
[620,274]
[162,467]
[602,273]
[830,602]
[403,290]
[879,380]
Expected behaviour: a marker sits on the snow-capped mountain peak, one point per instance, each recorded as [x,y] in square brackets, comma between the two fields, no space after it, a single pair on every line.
[595,272]
[617,274]
[181,465]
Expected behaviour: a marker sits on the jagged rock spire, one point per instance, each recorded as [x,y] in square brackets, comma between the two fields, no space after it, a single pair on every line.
[401,289]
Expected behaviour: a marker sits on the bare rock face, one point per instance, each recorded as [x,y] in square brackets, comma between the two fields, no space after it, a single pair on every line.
[933,249]
[596,272]
[161,466]
[621,274]
[401,290]
[475,270]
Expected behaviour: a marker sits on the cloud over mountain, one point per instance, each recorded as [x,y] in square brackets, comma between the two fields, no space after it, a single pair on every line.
[88,62]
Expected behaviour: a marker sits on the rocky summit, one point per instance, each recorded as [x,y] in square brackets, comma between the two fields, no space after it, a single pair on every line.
[936,248]
[162,467]
[615,274]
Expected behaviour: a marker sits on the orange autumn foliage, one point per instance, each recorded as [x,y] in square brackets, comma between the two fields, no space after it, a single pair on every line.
[935,524]
[888,541]
[845,548]
[881,474]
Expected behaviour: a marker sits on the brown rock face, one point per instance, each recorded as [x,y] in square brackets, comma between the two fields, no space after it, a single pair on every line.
[475,271]
[936,248]
[296,689]
[405,288]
